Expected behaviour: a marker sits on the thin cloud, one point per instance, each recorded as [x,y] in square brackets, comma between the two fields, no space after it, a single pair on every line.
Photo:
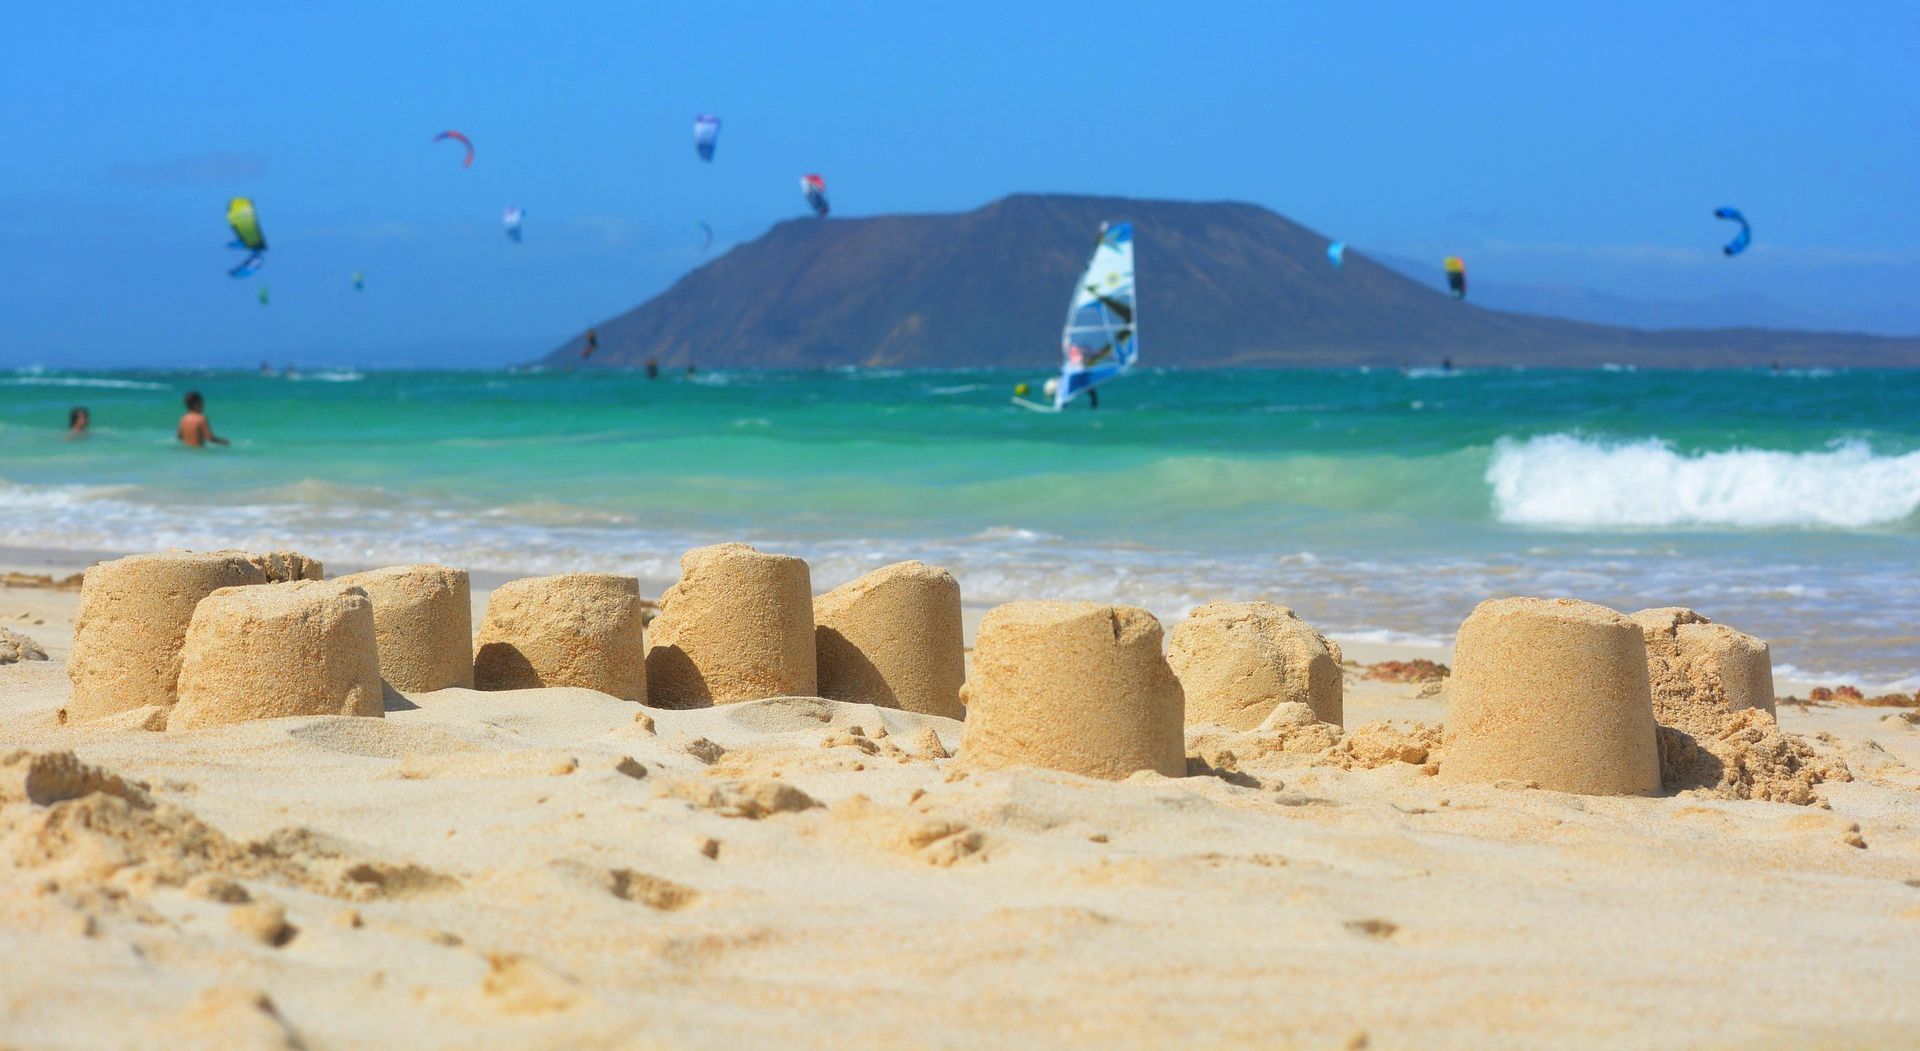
[198,168]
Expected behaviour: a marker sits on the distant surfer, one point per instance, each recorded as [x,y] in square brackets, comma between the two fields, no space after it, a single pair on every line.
[195,432]
[593,344]
[653,369]
[78,421]
[1446,364]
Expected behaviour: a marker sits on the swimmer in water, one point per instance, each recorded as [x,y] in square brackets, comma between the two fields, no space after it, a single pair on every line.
[78,421]
[195,432]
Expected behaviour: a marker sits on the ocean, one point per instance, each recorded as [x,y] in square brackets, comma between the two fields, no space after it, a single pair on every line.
[1381,505]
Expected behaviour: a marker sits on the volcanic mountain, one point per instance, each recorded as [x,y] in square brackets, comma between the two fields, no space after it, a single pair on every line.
[1221,284]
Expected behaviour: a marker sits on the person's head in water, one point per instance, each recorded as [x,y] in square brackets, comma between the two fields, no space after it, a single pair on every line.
[78,420]
[194,430]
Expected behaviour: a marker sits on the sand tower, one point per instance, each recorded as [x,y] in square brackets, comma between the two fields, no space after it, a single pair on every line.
[1074,686]
[737,627]
[299,648]
[893,638]
[575,629]
[1552,691]
[423,618]
[132,623]
[1238,661]
[1701,671]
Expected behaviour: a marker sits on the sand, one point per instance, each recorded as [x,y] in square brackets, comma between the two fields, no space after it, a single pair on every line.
[542,868]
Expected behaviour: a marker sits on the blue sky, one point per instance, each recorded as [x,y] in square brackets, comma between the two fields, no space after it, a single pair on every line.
[1549,145]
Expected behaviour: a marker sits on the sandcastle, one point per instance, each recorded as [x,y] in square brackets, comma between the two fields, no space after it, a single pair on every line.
[1553,692]
[284,566]
[1701,671]
[423,619]
[737,627]
[132,623]
[893,638]
[574,629]
[1238,661]
[299,648]
[1074,686]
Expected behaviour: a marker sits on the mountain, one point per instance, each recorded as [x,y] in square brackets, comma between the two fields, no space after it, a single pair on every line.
[1221,284]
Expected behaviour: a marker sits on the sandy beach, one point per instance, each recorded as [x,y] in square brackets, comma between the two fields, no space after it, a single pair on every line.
[555,867]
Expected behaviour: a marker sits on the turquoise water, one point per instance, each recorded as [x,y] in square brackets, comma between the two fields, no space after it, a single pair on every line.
[1379,504]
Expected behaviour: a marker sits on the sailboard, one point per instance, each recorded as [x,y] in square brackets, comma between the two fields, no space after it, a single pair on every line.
[1101,339]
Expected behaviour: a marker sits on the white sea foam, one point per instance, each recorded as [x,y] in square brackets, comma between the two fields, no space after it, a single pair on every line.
[1567,480]
[80,381]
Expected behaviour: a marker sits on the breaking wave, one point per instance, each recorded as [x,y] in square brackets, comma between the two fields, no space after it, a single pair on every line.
[1567,480]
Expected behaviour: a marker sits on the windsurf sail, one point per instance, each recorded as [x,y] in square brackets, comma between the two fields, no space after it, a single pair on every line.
[815,190]
[1102,336]
[706,134]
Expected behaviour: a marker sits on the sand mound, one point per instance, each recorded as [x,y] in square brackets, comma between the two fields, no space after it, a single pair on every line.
[15,647]
[89,826]
[231,1016]
[520,985]
[863,824]
[1553,692]
[1745,755]
[573,629]
[752,800]
[1073,686]
[283,567]
[1236,661]
[1701,671]
[132,626]
[738,626]
[1293,737]
[893,638]
[300,648]
[423,625]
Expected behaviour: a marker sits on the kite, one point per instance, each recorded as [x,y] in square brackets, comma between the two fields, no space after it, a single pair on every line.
[706,132]
[247,235]
[263,295]
[1456,277]
[1741,239]
[708,230]
[510,219]
[462,140]
[815,189]
[1336,251]
[359,280]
